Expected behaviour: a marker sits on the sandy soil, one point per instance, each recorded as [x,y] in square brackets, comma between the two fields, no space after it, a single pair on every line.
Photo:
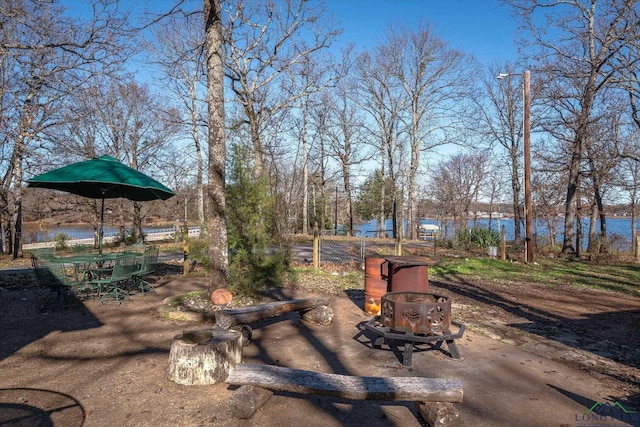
[531,356]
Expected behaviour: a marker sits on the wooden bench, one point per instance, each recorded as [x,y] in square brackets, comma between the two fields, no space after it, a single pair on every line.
[347,386]
[315,310]
[433,397]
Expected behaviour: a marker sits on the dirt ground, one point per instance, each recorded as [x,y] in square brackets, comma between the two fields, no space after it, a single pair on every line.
[531,356]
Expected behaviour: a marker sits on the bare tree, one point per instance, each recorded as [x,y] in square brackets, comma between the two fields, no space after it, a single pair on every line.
[548,200]
[577,58]
[456,184]
[432,77]
[347,142]
[309,79]
[601,151]
[263,42]
[178,50]
[124,120]
[627,178]
[499,122]
[380,97]
[47,56]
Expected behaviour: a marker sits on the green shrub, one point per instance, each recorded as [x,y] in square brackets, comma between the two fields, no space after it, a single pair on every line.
[250,274]
[485,237]
[253,229]
[462,239]
[476,237]
[62,241]
[199,251]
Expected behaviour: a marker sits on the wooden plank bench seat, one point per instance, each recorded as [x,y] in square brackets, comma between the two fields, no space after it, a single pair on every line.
[231,317]
[417,389]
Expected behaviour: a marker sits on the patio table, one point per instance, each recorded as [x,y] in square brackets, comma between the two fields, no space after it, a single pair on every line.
[88,265]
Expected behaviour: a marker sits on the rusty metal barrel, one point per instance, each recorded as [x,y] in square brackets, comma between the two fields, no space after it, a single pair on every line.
[375,285]
[408,273]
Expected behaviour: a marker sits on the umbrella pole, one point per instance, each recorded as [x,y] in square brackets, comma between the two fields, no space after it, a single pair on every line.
[101,233]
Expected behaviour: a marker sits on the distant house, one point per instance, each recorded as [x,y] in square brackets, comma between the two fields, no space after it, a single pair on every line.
[428,231]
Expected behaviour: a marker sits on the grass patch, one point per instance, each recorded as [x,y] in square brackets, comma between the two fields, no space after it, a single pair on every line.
[328,280]
[617,276]
[185,298]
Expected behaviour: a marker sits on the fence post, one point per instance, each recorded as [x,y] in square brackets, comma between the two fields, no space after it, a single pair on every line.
[316,245]
[503,243]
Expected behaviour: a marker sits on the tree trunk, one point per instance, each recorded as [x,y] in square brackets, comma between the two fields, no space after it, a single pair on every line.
[218,255]
[578,230]
[305,173]
[604,247]
[592,246]
[570,210]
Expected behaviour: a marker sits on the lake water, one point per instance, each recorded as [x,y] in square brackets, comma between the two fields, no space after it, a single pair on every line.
[620,227]
[78,232]
[615,227]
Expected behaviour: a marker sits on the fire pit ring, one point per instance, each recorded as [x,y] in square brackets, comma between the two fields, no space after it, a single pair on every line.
[415,317]
[416,312]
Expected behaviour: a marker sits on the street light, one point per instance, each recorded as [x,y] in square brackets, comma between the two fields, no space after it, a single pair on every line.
[528,242]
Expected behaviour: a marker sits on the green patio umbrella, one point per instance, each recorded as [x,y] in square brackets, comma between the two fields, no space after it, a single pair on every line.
[102,178]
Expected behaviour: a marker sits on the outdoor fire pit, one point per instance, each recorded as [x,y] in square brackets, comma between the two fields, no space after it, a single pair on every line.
[416,312]
[415,317]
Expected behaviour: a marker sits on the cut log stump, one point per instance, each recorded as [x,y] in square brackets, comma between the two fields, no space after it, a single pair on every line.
[440,414]
[232,317]
[246,400]
[321,315]
[204,356]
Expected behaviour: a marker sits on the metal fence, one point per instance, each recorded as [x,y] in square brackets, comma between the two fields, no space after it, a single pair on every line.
[343,249]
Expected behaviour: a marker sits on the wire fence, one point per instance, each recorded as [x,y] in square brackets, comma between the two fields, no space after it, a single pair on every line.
[354,249]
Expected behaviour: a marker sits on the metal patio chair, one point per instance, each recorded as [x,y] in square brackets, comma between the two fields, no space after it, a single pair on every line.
[148,266]
[113,286]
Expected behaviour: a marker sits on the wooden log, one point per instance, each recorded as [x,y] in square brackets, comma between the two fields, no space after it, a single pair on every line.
[321,315]
[440,414]
[231,317]
[246,400]
[204,356]
[345,386]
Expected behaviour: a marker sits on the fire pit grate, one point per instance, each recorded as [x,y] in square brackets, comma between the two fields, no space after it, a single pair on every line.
[415,317]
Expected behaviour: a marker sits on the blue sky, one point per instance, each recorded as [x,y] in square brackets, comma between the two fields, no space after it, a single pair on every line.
[481,27]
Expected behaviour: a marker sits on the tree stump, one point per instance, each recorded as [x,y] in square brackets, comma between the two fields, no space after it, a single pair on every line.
[321,315]
[246,400]
[204,356]
[440,414]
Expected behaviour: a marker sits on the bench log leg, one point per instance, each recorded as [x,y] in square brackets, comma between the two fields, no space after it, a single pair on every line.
[246,400]
[440,414]
[407,355]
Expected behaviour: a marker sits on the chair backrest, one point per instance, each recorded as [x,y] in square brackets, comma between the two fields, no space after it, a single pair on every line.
[124,267]
[39,268]
[42,266]
[57,274]
[149,260]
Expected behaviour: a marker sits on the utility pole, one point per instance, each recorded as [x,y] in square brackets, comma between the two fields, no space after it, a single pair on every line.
[528,232]
[528,238]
